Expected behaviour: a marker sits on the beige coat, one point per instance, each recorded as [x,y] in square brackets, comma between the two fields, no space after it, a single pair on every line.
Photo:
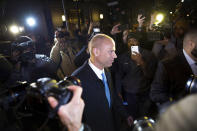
[67,63]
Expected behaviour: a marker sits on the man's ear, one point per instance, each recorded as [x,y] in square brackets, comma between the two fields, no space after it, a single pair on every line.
[192,44]
[96,51]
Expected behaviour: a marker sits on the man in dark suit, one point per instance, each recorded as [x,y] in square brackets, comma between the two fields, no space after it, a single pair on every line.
[101,102]
[171,75]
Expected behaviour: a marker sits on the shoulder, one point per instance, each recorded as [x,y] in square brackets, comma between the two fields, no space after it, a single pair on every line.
[176,59]
[82,70]
[175,62]
[146,52]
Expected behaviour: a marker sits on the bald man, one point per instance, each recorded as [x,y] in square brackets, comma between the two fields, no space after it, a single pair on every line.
[172,75]
[100,100]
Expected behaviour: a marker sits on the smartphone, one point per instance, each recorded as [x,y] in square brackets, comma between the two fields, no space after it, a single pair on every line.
[123,27]
[97,30]
[134,49]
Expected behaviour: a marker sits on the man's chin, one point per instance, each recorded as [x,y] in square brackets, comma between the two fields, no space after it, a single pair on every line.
[109,65]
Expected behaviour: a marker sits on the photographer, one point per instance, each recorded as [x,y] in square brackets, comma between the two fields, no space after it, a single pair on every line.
[27,65]
[71,113]
[63,55]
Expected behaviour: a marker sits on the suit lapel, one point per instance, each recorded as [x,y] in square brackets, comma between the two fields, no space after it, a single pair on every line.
[94,76]
[100,82]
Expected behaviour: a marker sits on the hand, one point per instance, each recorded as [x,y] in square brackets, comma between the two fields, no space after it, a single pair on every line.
[163,42]
[115,29]
[137,57]
[130,121]
[71,113]
[140,20]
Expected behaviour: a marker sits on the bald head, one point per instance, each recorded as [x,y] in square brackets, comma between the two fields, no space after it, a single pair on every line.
[102,51]
[190,44]
[191,36]
[98,40]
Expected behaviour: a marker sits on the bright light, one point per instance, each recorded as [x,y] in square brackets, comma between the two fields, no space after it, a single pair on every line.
[171,12]
[159,18]
[187,15]
[14,29]
[101,16]
[182,1]
[63,18]
[21,29]
[31,21]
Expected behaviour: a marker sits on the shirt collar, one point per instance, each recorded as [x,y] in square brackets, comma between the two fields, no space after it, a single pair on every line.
[96,70]
[188,58]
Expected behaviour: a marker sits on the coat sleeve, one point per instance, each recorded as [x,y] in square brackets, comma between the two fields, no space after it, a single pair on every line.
[55,53]
[160,86]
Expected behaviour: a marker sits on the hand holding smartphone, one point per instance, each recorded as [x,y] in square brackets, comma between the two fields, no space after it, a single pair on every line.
[134,50]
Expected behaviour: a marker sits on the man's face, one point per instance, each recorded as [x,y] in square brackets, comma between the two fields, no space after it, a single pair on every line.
[106,53]
[194,52]
[132,42]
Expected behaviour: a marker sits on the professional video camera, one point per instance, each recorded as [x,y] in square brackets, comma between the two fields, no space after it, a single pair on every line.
[30,100]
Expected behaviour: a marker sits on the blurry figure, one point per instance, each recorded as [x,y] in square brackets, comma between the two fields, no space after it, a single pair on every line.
[134,73]
[172,74]
[164,49]
[5,69]
[83,54]
[40,44]
[63,55]
[120,36]
[179,30]
[179,117]
[27,65]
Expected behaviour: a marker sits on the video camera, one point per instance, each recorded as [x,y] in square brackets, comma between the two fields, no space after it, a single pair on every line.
[32,98]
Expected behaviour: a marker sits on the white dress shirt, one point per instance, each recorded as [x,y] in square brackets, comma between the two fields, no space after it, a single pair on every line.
[191,62]
[96,70]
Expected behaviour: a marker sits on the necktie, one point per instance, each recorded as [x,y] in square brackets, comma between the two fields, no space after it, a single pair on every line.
[107,92]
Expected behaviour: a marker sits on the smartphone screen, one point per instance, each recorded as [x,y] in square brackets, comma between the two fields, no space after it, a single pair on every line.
[134,49]
[96,30]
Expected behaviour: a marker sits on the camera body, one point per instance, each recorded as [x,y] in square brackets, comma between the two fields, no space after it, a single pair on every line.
[45,87]
[36,94]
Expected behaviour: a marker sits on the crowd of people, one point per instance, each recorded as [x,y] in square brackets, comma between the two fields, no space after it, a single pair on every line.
[118,84]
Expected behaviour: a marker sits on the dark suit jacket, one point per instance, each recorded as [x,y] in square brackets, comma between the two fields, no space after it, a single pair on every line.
[170,79]
[97,113]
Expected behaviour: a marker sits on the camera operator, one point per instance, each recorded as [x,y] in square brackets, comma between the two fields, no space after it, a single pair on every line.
[27,65]
[71,113]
